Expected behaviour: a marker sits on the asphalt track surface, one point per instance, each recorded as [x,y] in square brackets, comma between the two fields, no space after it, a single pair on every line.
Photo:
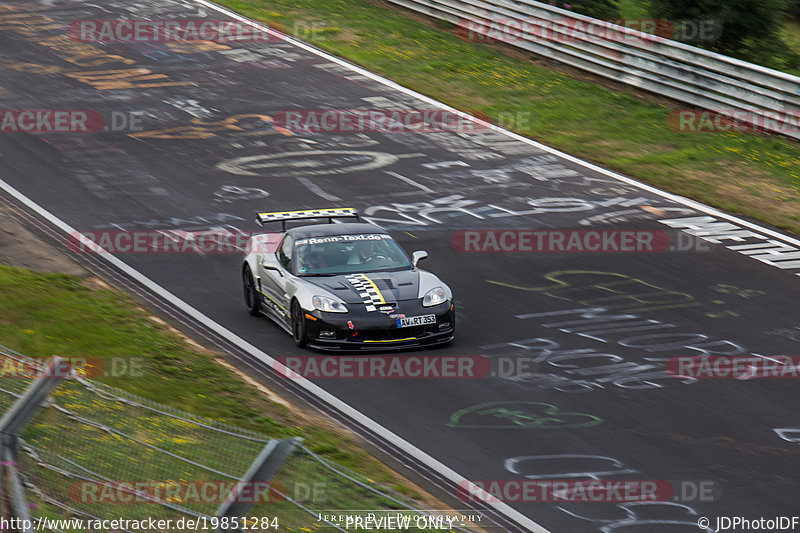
[597,328]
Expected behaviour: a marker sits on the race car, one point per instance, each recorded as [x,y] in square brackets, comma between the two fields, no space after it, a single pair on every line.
[344,286]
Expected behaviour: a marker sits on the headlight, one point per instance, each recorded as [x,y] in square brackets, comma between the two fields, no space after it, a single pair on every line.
[434,296]
[329,305]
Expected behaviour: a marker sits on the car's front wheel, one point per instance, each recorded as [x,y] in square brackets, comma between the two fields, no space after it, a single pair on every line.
[250,294]
[299,332]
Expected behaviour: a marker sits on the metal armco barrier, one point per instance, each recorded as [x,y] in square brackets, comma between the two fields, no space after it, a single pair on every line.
[752,94]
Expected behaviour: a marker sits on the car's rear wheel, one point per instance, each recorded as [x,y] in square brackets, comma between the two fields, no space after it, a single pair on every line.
[250,294]
[299,332]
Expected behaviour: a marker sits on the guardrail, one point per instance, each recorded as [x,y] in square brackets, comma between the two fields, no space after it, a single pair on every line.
[745,92]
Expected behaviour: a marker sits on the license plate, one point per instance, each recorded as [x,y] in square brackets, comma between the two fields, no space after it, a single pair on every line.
[409,321]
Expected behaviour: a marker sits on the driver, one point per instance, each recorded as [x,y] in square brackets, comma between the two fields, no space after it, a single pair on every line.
[309,259]
[364,252]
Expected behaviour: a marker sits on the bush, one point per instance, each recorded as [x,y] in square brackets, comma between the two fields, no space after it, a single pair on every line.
[748,29]
[599,9]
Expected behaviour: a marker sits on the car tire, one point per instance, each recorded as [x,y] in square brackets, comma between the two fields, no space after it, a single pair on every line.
[250,294]
[299,331]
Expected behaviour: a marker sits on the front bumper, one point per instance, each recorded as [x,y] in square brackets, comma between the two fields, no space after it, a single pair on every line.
[377,330]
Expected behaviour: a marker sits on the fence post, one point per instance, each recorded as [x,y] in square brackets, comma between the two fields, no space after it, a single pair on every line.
[12,423]
[265,466]
[17,506]
[23,409]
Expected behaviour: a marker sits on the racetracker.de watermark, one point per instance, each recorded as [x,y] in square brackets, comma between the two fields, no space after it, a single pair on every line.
[170,242]
[395,366]
[734,120]
[181,492]
[68,121]
[734,367]
[375,120]
[587,491]
[575,241]
[137,31]
[68,367]
[574,31]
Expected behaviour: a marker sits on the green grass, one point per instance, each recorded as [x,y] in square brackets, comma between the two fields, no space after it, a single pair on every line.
[791,35]
[46,314]
[57,314]
[752,175]
[68,444]
[633,9]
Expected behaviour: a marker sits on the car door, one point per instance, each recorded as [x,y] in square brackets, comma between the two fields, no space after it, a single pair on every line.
[277,272]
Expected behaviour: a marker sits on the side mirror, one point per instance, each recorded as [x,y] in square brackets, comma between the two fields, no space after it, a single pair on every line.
[418,256]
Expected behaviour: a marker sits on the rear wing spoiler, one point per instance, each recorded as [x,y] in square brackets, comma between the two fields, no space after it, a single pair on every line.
[330,214]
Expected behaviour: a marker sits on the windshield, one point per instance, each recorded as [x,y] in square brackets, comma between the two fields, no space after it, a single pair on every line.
[348,254]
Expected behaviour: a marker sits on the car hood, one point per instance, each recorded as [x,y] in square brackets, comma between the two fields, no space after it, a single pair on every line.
[350,288]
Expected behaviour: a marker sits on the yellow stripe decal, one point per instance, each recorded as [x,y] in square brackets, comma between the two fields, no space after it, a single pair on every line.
[374,287]
[395,340]
[273,301]
[367,290]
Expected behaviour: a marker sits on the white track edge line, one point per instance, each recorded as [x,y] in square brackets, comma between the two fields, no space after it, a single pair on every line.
[312,388]
[610,173]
